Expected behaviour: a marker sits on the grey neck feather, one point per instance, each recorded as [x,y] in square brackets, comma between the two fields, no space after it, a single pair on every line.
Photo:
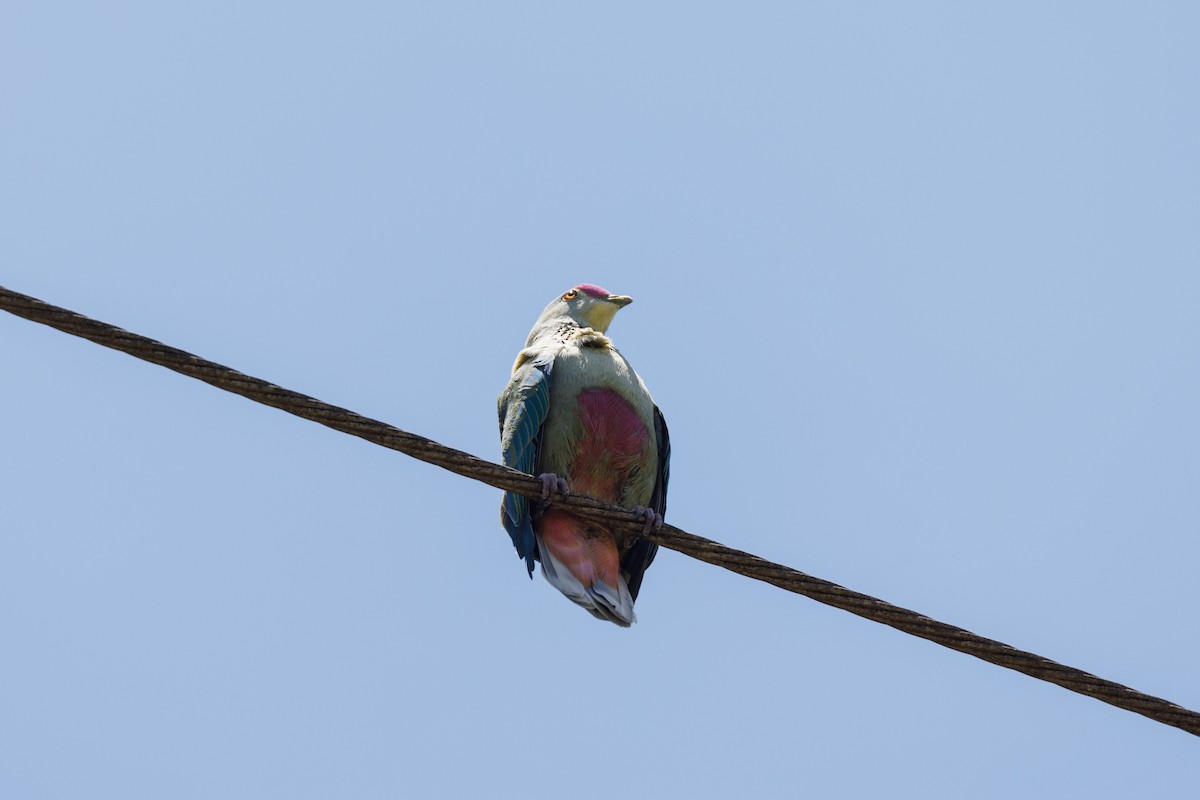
[556,329]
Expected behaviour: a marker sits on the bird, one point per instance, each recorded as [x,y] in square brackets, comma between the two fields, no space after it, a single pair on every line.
[576,415]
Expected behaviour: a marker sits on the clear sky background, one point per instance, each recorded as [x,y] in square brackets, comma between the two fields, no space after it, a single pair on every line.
[917,287]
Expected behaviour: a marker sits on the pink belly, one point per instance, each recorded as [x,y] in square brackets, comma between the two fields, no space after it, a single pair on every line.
[614,440]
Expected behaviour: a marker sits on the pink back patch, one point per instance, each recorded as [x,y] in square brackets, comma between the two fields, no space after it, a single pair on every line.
[593,290]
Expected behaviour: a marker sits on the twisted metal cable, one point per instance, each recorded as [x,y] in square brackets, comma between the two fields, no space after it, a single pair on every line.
[501,477]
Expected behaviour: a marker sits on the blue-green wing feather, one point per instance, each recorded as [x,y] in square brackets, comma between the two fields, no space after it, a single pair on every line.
[523,408]
[638,557]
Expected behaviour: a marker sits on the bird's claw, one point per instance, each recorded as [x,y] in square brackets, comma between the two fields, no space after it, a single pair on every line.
[552,484]
[652,520]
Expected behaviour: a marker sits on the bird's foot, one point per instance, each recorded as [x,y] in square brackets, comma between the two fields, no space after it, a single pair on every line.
[652,519]
[552,484]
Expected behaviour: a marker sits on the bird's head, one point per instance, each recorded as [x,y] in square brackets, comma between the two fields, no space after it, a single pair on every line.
[587,305]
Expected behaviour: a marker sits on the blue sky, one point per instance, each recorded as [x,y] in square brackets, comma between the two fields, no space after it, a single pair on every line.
[915,286]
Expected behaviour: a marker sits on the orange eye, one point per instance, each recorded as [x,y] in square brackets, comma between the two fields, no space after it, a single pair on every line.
[571,295]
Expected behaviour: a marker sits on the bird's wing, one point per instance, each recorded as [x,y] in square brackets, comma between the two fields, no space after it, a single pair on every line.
[639,556]
[523,407]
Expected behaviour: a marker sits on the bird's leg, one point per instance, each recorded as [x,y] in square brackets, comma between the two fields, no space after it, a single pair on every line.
[552,483]
[652,519]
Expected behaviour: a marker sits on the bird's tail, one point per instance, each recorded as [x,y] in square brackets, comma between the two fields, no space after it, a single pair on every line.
[580,559]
